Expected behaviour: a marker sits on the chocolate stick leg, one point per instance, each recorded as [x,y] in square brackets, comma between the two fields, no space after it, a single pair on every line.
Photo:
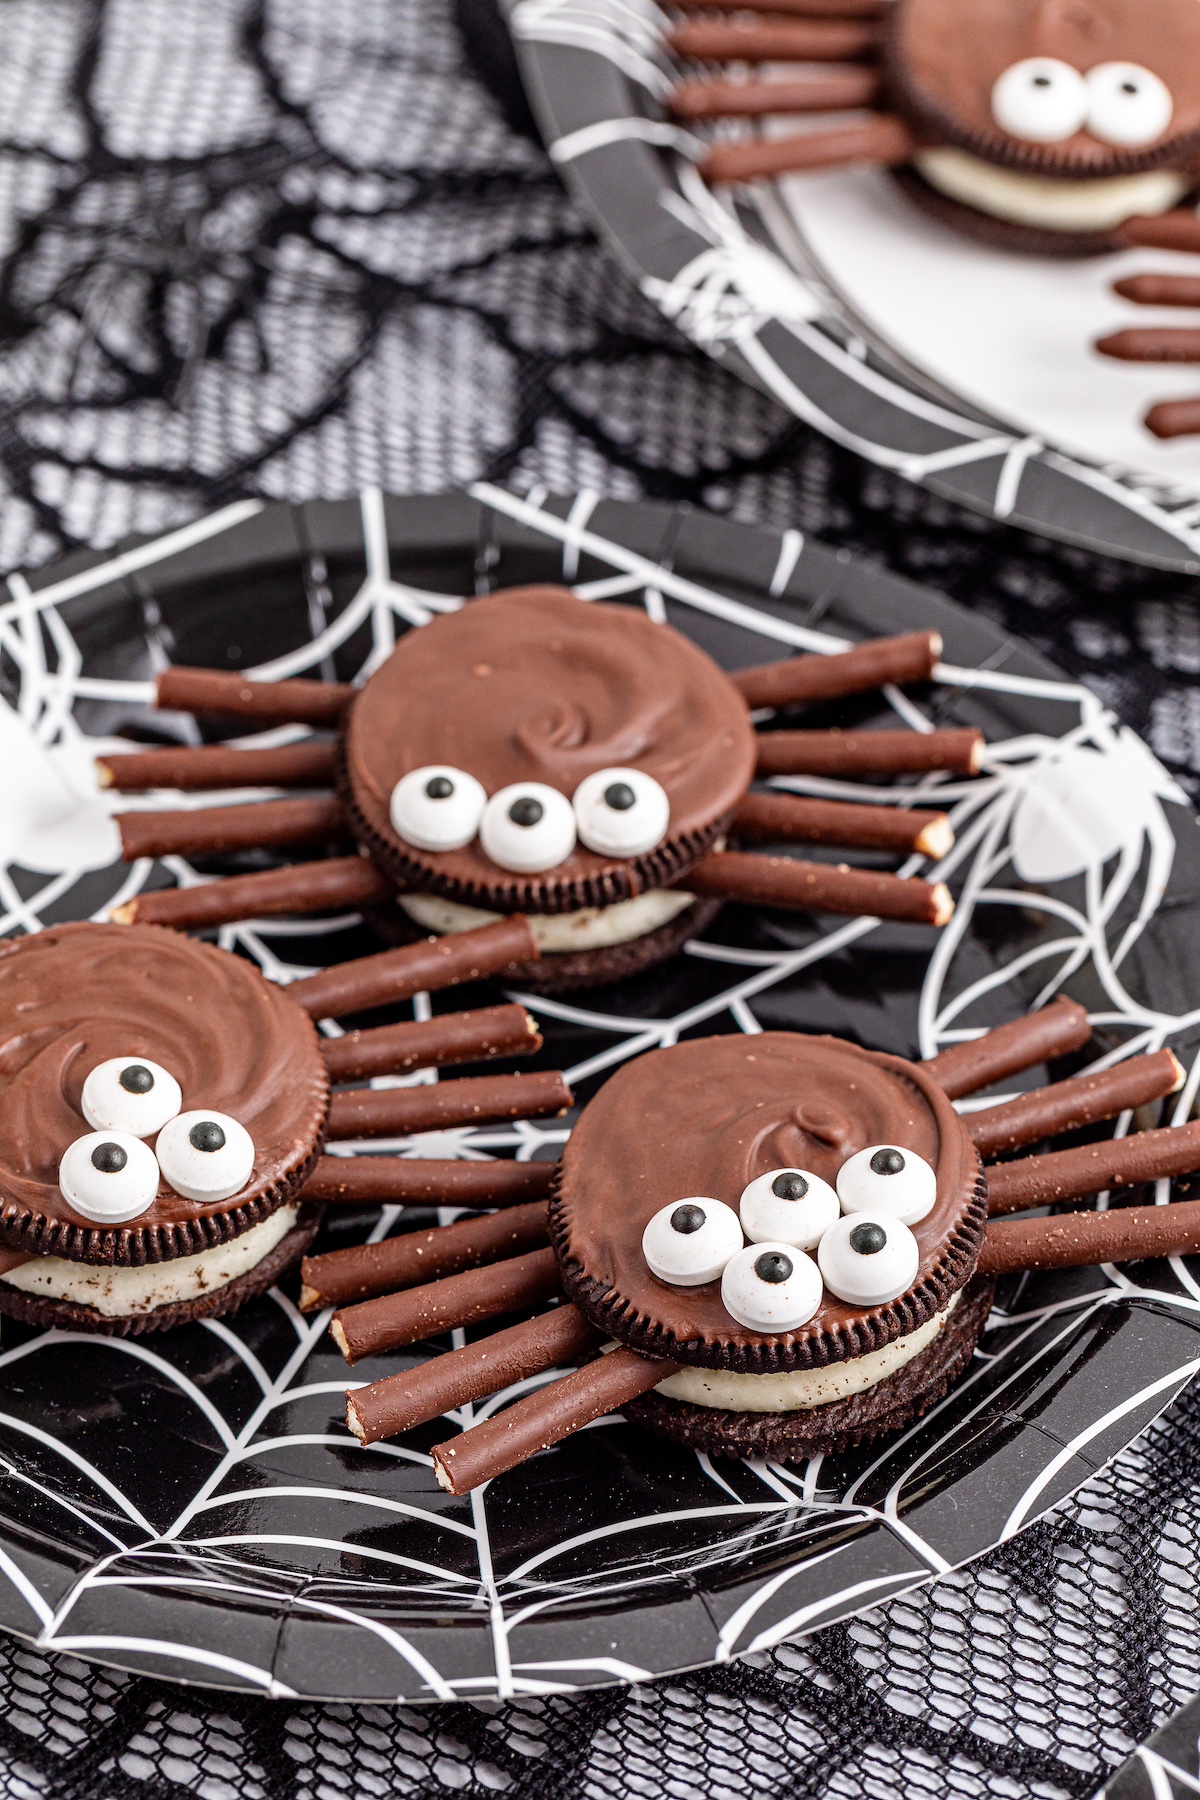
[818,887]
[801,680]
[222,695]
[1065,1105]
[431,1043]
[434,963]
[828,87]
[544,1418]
[398,1402]
[1055,1030]
[364,1270]
[427,1181]
[313,887]
[788,819]
[807,41]
[1091,1168]
[474,1100]
[309,764]
[798,9]
[851,753]
[1079,1240]
[881,140]
[212,830]
[395,1320]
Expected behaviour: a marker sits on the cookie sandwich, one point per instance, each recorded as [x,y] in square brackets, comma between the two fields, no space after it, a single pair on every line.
[574,762]
[771,1245]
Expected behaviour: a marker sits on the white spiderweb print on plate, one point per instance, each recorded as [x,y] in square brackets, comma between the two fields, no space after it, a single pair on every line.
[193,1504]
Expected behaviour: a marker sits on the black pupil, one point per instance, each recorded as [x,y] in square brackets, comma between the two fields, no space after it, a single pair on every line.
[207,1135]
[1129,87]
[687,1219]
[526,811]
[887,1162]
[439,787]
[868,1240]
[136,1079]
[620,796]
[773,1266]
[790,1186]
[110,1159]
[1041,81]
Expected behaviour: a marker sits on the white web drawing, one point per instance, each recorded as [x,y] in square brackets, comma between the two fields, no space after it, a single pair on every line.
[1042,813]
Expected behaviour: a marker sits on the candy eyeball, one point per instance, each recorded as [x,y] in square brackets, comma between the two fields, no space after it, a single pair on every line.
[205,1156]
[788,1206]
[689,1242]
[437,808]
[868,1258]
[1041,100]
[885,1179]
[130,1093]
[527,827]
[621,812]
[109,1176]
[771,1287]
[1127,105]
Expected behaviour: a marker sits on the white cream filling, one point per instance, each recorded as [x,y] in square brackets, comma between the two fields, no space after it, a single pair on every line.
[591,928]
[120,1293]
[1043,201]
[801,1389]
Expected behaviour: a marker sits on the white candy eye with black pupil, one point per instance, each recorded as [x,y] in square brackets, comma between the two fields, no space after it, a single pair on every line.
[689,1242]
[883,1178]
[1040,100]
[788,1206]
[771,1287]
[437,808]
[206,1156]
[621,812]
[527,827]
[1128,105]
[868,1259]
[109,1177]
[128,1093]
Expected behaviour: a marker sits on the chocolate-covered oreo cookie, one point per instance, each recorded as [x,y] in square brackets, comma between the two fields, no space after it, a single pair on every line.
[158,1097]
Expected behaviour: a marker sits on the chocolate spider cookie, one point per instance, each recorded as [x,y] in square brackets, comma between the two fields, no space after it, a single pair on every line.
[161,1105]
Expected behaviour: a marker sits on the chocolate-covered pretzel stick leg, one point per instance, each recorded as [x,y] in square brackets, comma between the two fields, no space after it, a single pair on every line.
[804,41]
[802,680]
[433,963]
[1071,1174]
[1179,230]
[398,1402]
[827,87]
[426,1181]
[432,1043]
[364,1270]
[212,830]
[818,887]
[1160,290]
[1065,1105]
[798,9]
[477,1100]
[1079,1240]
[789,819]
[881,141]
[555,1412]
[395,1320]
[1173,418]
[1055,1030]
[309,764]
[221,695]
[312,887]
[850,753]
[1152,343]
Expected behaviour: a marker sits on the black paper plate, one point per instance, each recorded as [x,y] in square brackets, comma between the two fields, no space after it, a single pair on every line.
[191,1505]
[597,72]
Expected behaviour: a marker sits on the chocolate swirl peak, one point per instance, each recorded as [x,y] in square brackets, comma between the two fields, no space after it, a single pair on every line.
[75,995]
[535,685]
[708,1116]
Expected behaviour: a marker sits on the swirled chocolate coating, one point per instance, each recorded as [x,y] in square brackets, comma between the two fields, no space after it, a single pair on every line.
[706,1117]
[77,994]
[535,685]
[945,56]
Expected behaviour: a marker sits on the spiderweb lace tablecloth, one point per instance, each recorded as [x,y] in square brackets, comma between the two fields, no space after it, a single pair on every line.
[293,248]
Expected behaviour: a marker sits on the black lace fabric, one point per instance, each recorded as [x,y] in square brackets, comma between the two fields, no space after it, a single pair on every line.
[292,248]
